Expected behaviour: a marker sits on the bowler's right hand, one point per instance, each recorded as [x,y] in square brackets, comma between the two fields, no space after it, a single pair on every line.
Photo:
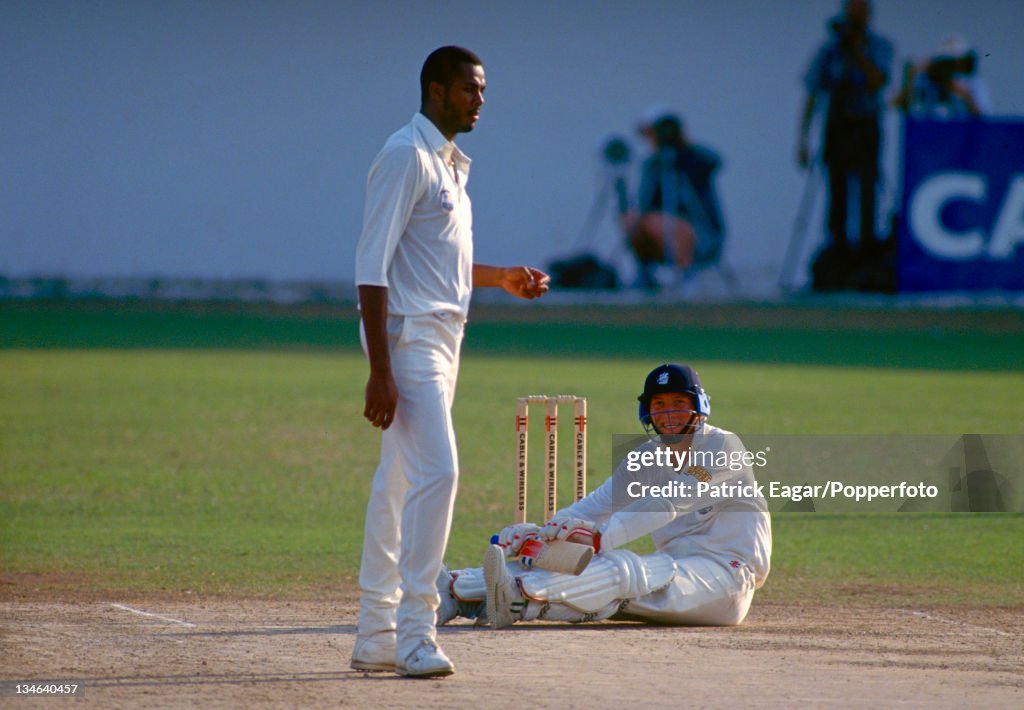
[381,399]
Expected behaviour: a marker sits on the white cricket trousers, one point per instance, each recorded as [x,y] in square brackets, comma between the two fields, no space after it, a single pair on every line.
[409,514]
[704,592]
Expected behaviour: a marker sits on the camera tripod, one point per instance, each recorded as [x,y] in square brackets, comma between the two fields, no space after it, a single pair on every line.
[615,159]
[798,235]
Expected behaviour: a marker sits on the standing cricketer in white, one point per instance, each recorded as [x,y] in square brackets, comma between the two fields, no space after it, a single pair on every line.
[415,274]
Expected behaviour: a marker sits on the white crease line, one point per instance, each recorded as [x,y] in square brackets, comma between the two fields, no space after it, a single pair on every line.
[925,615]
[155,616]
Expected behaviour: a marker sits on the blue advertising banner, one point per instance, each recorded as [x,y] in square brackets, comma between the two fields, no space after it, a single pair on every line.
[963,206]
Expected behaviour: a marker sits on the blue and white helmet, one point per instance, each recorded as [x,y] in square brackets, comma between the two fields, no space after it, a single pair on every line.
[674,378]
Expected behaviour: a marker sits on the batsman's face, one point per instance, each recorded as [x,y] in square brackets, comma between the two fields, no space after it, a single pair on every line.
[463,98]
[671,411]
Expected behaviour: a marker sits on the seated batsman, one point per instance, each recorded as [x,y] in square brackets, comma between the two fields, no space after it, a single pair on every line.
[712,552]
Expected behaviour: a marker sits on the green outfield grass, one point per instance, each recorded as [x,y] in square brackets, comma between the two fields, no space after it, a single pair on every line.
[220,450]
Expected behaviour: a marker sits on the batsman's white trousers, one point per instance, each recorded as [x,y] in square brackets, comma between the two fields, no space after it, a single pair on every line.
[704,592]
[409,513]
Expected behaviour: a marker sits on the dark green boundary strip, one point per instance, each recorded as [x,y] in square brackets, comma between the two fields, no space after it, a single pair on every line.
[757,334]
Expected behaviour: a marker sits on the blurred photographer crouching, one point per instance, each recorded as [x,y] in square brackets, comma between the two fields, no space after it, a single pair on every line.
[678,220]
[944,86]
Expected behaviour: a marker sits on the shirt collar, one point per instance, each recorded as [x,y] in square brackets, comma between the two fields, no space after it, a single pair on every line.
[437,142]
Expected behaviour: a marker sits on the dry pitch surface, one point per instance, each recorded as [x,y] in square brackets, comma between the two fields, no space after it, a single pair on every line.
[240,653]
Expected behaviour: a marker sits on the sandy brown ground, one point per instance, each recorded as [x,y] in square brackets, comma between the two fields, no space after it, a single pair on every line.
[218,653]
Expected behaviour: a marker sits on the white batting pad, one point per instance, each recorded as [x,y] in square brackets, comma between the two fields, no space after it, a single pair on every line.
[610,576]
[469,585]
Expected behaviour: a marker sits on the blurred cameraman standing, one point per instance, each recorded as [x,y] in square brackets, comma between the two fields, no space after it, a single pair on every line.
[850,70]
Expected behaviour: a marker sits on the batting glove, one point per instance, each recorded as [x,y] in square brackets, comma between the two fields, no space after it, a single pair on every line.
[573,530]
[513,537]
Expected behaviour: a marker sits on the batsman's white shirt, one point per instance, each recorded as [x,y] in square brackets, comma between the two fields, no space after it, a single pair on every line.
[734,527]
[417,237]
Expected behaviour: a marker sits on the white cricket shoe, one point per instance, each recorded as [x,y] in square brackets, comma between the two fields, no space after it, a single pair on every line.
[449,607]
[500,588]
[427,660]
[372,653]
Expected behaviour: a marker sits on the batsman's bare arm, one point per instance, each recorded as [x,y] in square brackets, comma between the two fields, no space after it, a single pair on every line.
[381,391]
[521,281]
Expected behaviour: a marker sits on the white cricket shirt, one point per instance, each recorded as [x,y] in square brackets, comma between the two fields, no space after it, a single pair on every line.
[417,237]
